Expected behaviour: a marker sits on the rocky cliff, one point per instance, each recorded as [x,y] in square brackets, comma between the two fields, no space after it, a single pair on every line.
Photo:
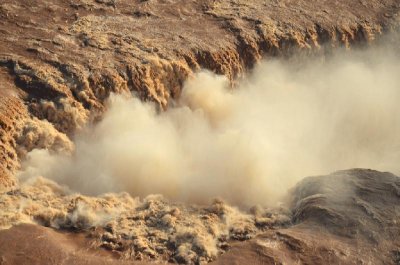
[59,60]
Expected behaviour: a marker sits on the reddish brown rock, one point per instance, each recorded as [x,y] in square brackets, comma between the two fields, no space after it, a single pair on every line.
[63,58]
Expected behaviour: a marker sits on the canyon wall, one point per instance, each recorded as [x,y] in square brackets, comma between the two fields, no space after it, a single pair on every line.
[60,60]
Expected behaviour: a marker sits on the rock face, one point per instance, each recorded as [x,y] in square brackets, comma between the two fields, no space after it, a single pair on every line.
[348,217]
[59,60]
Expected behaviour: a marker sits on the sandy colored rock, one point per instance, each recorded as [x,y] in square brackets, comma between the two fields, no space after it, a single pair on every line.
[63,58]
[34,243]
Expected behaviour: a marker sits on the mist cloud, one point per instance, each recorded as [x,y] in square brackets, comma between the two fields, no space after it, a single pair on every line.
[287,120]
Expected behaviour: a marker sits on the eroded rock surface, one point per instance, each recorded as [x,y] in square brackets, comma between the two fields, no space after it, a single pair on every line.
[59,60]
[348,217]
